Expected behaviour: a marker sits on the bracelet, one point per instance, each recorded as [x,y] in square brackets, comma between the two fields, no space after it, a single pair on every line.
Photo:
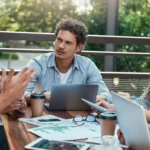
[43,92]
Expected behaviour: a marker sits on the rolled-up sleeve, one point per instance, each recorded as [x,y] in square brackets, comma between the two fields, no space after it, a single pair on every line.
[94,77]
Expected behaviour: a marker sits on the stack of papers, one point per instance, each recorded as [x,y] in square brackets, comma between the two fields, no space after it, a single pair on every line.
[64,129]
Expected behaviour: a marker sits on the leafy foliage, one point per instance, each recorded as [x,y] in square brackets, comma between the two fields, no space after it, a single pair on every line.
[42,16]
[5,55]
[134,19]
[95,20]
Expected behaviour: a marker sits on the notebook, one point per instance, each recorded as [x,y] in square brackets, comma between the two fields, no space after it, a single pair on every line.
[68,97]
[132,122]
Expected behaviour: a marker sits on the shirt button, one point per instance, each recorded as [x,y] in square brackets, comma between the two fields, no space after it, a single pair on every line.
[58,76]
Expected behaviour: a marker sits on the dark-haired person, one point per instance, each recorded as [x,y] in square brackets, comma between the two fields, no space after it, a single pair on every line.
[64,66]
[12,88]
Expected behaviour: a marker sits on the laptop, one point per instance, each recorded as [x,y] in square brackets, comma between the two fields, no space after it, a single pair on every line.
[68,97]
[132,121]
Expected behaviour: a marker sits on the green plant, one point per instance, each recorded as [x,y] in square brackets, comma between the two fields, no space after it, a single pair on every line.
[5,55]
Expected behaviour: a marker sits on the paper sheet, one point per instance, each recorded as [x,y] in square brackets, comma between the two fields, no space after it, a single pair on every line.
[34,121]
[64,132]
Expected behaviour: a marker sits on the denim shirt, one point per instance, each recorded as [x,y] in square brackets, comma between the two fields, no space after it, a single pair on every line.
[84,71]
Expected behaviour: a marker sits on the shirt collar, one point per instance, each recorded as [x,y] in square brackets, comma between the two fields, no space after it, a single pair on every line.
[52,63]
[75,62]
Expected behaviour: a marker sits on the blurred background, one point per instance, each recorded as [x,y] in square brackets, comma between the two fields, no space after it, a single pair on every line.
[132,19]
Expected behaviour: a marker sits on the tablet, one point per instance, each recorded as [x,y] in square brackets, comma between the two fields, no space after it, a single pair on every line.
[43,144]
[99,108]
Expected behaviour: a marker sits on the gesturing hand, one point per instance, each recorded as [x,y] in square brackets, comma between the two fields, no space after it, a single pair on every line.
[13,86]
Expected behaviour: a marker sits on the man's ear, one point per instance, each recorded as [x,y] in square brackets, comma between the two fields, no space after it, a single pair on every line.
[79,47]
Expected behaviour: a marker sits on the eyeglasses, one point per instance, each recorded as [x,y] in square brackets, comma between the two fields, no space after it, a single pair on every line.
[80,118]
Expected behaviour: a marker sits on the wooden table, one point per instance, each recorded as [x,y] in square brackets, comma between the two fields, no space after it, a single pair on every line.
[16,131]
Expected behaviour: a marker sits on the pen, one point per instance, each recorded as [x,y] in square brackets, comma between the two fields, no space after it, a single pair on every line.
[48,120]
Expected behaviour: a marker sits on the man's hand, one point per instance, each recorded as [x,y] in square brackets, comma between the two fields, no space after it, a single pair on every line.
[125,95]
[120,136]
[23,104]
[105,104]
[100,97]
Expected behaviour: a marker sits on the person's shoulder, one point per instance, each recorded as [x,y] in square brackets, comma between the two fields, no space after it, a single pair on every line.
[43,57]
[83,59]
[41,60]
[84,63]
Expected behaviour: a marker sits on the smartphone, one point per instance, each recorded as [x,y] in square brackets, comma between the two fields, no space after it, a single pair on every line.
[48,120]
[43,144]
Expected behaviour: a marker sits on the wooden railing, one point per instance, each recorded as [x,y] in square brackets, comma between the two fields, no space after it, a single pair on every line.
[132,82]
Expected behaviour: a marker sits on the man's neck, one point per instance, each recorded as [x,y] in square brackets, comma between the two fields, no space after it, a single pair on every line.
[63,65]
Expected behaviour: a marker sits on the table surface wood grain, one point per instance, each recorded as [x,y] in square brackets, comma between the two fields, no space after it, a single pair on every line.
[16,131]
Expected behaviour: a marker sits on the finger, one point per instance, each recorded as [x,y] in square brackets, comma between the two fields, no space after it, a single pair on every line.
[2,78]
[18,102]
[10,75]
[1,84]
[98,103]
[27,76]
[105,104]
[23,101]
[23,106]
[22,72]
[16,107]
[3,73]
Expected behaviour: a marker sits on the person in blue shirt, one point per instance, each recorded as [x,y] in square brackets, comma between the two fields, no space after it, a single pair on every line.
[64,66]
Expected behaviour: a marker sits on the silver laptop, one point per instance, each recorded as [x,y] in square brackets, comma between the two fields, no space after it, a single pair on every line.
[132,122]
[68,96]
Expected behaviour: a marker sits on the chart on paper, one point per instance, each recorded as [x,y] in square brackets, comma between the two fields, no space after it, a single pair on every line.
[63,132]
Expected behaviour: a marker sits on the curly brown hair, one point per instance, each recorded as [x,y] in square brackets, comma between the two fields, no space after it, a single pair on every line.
[74,26]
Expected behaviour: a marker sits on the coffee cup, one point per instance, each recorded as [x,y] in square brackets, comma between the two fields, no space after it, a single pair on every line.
[108,122]
[37,104]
